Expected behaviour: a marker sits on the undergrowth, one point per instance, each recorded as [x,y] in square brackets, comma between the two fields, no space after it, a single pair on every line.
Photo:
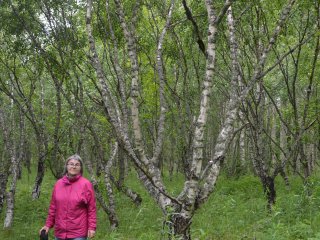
[236,210]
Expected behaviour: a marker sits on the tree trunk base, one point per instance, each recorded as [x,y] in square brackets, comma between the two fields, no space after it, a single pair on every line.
[178,227]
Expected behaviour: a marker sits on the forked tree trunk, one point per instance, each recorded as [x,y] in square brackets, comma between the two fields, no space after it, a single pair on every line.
[200,182]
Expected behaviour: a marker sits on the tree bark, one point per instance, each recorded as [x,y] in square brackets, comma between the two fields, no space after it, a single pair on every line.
[200,182]
[108,208]
[10,148]
[3,187]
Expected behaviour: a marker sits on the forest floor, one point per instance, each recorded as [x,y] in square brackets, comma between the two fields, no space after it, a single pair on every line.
[236,210]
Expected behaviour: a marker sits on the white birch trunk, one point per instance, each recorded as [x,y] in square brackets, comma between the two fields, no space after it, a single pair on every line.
[108,185]
[191,195]
[137,153]
[226,131]
[10,148]
[41,144]
[273,126]
[108,209]
[242,149]
[11,194]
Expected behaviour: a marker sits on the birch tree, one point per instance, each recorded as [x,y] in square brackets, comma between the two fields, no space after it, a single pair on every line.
[10,146]
[199,184]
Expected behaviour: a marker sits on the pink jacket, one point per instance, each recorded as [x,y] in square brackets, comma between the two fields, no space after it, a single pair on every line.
[72,209]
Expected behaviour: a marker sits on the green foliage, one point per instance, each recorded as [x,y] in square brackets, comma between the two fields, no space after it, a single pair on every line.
[236,210]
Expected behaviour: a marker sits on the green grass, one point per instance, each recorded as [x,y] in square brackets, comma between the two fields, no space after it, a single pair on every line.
[236,210]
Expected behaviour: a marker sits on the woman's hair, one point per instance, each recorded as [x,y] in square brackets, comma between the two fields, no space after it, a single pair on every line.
[74,157]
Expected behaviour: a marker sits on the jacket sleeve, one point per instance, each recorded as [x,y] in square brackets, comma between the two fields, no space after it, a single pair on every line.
[92,209]
[52,210]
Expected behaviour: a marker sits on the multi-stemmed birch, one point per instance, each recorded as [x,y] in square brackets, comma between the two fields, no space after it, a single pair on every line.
[200,182]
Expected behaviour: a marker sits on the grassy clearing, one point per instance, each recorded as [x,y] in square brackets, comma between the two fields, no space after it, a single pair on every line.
[236,210]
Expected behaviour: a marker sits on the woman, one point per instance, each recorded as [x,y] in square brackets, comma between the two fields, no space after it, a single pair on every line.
[72,209]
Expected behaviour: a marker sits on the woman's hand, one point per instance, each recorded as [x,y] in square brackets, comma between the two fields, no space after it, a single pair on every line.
[91,233]
[44,228]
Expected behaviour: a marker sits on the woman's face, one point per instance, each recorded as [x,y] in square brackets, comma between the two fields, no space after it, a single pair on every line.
[73,167]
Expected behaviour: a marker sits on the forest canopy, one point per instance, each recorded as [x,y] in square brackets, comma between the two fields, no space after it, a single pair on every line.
[189,88]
